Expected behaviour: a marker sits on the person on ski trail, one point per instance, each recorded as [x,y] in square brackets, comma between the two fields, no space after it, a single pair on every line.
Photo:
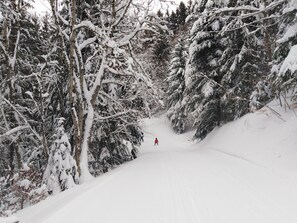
[156,142]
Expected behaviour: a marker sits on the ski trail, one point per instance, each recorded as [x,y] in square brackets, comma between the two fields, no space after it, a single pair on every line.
[175,183]
[183,210]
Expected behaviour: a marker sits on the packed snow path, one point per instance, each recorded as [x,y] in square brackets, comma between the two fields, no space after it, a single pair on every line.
[175,183]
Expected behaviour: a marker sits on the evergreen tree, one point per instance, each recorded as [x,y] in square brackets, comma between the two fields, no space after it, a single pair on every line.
[159,14]
[173,22]
[284,70]
[181,14]
[243,66]
[161,47]
[176,86]
[61,171]
[224,70]
[159,57]
[202,93]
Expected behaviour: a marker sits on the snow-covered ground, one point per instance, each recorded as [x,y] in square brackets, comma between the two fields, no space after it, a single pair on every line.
[243,172]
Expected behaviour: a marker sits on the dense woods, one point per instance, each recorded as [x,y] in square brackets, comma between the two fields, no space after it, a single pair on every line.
[76,83]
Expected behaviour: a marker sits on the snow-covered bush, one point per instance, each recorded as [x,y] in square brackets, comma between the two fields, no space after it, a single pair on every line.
[61,172]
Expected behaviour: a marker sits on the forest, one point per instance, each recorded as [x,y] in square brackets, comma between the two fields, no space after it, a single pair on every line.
[76,82]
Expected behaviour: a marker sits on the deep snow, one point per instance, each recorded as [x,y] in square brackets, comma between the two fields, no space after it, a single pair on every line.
[243,172]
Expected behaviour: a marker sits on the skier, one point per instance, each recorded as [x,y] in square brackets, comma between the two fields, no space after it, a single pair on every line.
[156,141]
[141,136]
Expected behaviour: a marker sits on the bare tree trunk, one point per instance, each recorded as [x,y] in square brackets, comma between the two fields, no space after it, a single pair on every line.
[267,37]
[85,174]
[11,159]
[75,97]
[76,109]
[18,156]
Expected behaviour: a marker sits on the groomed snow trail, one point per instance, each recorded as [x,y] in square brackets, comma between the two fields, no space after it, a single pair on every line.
[175,183]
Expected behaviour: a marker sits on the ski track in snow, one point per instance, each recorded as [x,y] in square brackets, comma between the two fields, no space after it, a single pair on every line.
[175,183]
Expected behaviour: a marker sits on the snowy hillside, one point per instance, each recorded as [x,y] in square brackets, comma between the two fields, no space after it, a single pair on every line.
[267,138]
[245,171]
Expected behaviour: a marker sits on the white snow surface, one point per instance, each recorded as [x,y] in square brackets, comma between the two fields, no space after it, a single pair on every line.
[12,219]
[243,172]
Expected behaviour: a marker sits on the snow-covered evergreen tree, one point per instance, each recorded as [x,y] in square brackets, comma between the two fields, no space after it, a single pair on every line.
[61,171]
[285,69]
[202,95]
[243,63]
[176,86]
[160,56]
[229,54]
[181,13]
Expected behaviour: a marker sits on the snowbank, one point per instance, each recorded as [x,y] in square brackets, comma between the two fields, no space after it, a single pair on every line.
[9,220]
[263,137]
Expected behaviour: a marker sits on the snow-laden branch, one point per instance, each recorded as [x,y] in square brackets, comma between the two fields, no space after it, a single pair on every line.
[254,10]
[25,120]
[86,43]
[145,78]
[11,12]
[89,25]
[11,60]
[113,71]
[125,40]
[226,29]
[290,32]
[122,15]
[112,82]
[234,96]
[116,115]
[97,83]
[14,130]
[239,8]
[65,35]
[140,27]
[62,19]
[102,93]
[4,51]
